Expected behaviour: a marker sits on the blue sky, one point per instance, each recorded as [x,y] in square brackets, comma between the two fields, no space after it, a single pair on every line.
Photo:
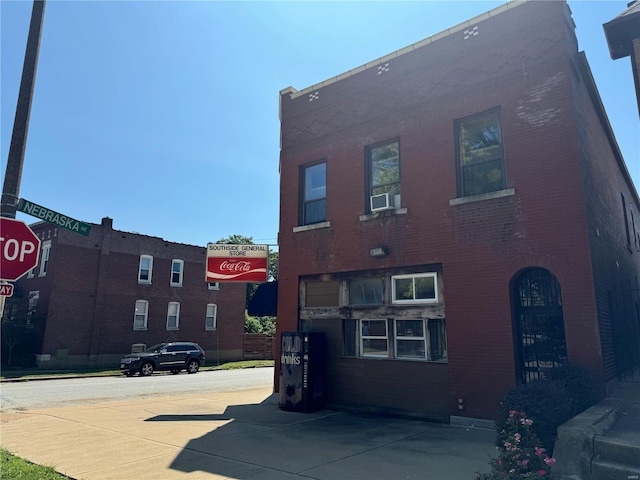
[164,115]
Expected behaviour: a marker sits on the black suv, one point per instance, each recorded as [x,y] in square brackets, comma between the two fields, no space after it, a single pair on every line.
[173,356]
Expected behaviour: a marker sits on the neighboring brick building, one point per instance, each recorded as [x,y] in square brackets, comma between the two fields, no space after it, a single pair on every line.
[93,298]
[457,218]
[623,37]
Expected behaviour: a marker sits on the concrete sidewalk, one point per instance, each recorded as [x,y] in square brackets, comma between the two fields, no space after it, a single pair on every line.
[240,435]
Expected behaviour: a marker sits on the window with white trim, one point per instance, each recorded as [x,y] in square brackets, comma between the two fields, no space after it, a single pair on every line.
[173,316]
[210,321]
[401,339]
[420,339]
[141,314]
[177,269]
[374,338]
[145,269]
[33,297]
[44,258]
[414,288]
[213,285]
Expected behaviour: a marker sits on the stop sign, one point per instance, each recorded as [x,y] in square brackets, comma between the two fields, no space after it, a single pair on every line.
[19,247]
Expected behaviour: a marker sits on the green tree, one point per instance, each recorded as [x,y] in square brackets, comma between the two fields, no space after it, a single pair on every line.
[235,239]
[265,325]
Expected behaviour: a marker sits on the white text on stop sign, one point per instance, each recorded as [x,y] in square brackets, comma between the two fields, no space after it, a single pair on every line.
[13,249]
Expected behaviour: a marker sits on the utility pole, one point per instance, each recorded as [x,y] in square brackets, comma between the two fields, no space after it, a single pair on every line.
[13,173]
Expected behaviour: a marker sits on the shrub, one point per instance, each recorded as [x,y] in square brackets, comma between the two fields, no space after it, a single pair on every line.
[521,455]
[546,402]
[580,385]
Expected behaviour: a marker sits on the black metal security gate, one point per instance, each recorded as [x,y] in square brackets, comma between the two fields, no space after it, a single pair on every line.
[539,324]
[624,308]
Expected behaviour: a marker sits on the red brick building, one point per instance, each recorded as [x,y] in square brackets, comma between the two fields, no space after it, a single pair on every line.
[457,218]
[623,38]
[93,298]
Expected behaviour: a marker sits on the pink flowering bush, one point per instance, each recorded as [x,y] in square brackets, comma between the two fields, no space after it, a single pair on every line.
[520,452]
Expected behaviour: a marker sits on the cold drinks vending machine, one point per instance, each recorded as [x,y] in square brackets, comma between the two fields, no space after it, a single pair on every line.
[302,371]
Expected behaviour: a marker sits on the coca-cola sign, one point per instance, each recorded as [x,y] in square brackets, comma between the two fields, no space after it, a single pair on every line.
[237,263]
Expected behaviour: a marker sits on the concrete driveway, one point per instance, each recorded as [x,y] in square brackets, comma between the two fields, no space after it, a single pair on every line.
[240,435]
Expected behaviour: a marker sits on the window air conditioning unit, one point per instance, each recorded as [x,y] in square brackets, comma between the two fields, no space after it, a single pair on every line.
[381,202]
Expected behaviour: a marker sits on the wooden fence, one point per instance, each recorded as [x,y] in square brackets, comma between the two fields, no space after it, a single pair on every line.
[258,346]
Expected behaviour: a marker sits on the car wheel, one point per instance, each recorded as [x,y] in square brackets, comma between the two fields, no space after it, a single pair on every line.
[175,371]
[193,366]
[146,369]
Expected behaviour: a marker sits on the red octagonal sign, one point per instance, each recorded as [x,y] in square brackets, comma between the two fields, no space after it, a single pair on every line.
[20,248]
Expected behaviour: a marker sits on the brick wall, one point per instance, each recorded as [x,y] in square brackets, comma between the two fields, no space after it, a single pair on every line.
[520,62]
[93,285]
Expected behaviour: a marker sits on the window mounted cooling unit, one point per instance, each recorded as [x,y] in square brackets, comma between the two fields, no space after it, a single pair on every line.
[381,202]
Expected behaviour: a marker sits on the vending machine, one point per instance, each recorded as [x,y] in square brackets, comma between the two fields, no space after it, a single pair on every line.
[302,371]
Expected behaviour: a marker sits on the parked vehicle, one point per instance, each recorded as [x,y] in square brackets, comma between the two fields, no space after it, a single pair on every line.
[173,357]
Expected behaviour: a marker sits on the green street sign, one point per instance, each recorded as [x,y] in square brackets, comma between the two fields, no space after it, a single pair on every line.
[56,218]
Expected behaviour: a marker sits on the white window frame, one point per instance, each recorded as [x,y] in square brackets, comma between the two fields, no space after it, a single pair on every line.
[212,313]
[146,280]
[173,312]
[34,297]
[399,337]
[393,337]
[213,285]
[144,313]
[180,272]
[414,276]
[363,338]
[44,258]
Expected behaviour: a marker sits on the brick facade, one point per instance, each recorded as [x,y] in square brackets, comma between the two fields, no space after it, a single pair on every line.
[564,181]
[86,305]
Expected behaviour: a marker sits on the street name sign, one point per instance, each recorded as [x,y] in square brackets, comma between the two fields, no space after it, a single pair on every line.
[19,249]
[56,218]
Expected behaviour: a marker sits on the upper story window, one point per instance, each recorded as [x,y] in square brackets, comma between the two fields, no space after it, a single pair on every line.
[140,315]
[173,316]
[213,285]
[210,319]
[626,220]
[146,269]
[33,297]
[415,288]
[383,167]
[44,257]
[314,194]
[177,269]
[480,154]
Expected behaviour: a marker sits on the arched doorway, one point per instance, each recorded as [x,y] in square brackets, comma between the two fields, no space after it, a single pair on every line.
[538,324]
